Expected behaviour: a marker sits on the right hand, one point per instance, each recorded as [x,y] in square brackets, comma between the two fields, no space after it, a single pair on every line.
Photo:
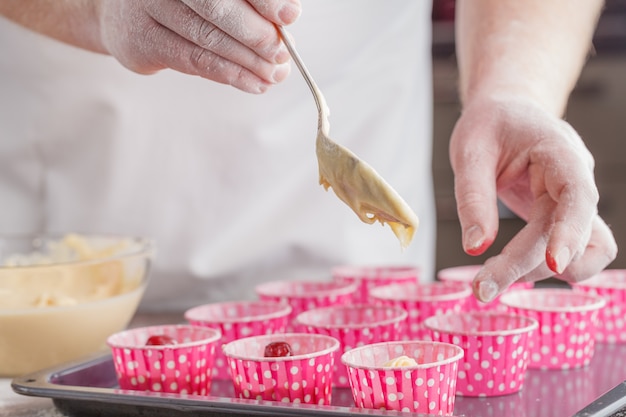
[509,148]
[231,42]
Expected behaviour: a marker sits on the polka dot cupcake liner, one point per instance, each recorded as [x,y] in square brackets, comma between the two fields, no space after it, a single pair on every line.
[496,347]
[465,274]
[304,377]
[428,387]
[236,320]
[181,368]
[306,295]
[368,277]
[354,325]
[609,284]
[568,323]
[422,301]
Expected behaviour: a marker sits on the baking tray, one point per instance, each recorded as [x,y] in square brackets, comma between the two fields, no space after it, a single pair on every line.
[89,388]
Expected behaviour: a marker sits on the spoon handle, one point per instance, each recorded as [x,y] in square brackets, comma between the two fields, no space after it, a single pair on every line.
[320,102]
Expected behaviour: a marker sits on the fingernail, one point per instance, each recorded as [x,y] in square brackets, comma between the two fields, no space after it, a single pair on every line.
[259,88]
[561,260]
[487,291]
[290,12]
[282,55]
[281,72]
[473,239]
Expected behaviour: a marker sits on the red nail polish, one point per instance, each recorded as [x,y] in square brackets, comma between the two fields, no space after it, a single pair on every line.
[551,262]
[480,249]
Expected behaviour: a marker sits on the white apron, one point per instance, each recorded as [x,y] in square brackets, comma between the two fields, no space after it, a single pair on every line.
[226,183]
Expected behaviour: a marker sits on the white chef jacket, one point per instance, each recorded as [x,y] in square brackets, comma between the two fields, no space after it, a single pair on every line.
[225,182]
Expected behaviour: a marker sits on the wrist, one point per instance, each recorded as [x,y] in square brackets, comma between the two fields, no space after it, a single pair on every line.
[73,22]
[513,85]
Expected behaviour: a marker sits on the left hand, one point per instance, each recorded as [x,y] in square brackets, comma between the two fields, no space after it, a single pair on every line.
[538,166]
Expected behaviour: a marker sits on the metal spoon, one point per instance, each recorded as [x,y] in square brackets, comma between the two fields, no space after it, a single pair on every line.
[355,182]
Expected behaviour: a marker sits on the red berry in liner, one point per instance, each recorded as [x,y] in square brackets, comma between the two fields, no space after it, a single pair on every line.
[277,350]
[160,340]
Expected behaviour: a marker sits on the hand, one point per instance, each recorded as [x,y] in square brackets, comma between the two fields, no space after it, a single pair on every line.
[232,42]
[538,166]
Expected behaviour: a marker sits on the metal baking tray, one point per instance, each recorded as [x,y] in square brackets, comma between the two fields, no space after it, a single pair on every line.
[89,388]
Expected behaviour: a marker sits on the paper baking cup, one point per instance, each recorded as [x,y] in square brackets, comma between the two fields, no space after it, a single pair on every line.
[609,284]
[305,377]
[368,277]
[306,295]
[354,325]
[428,388]
[496,349]
[422,301]
[568,323]
[466,274]
[183,368]
[239,319]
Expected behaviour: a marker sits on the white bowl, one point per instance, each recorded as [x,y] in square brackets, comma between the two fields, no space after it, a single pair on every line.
[61,296]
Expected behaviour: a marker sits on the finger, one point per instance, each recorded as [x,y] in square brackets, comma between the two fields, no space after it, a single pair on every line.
[242,22]
[600,251]
[573,188]
[541,272]
[523,256]
[188,24]
[279,12]
[474,188]
[184,56]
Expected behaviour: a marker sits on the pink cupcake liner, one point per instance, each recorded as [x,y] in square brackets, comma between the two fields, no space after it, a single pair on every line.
[422,301]
[466,274]
[306,295]
[428,387]
[609,284]
[354,325]
[368,277]
[239,319]
[496,347]
[568,323]
[183,368]
[304,377]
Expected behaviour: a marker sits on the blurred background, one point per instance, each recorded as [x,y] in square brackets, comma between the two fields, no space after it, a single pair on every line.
[597,110]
